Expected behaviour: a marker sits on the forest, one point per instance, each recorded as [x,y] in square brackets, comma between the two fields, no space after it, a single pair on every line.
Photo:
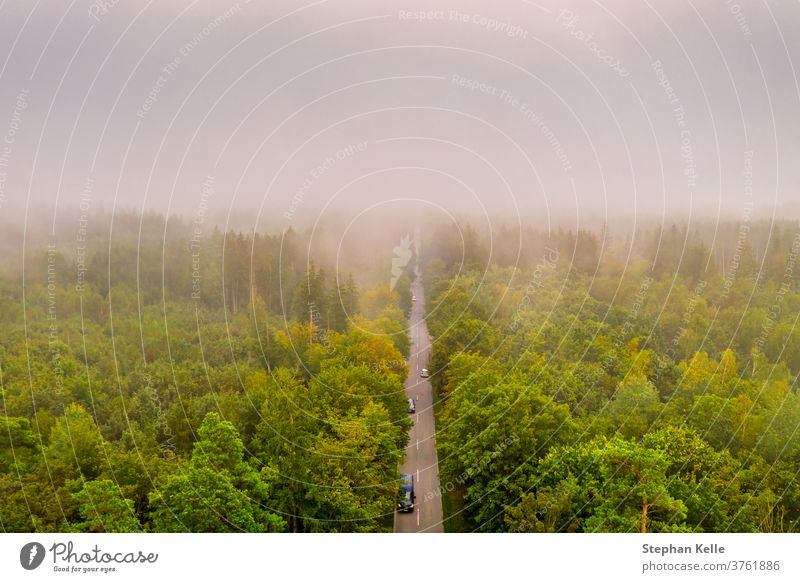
[585,381]
[205,384]
[644,384]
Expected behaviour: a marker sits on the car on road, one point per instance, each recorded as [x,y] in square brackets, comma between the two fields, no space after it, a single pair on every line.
[405,503]
[413,298]
[411,407]
[424,373]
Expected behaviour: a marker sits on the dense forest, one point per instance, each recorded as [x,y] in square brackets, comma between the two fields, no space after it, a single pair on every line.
[219,383]
[637,385]
[225,381]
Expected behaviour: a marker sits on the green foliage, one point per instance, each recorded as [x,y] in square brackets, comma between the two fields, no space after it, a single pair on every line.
[651,386]
[635,406]
[147,398]
[103,509]
[336,442]
[18,446]
[218,491]
[652,391]
[497,428]
[76,446]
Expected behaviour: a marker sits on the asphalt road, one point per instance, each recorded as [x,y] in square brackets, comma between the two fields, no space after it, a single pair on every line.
[421,460]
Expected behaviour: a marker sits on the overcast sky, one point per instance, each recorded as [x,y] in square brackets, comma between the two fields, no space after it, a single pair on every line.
[285,112]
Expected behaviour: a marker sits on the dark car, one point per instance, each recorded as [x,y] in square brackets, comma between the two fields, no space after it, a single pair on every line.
[405,503]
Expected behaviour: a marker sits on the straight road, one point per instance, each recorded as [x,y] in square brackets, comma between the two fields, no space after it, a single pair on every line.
[421,460]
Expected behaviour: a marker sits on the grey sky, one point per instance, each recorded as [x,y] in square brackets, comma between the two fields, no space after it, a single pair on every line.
[555,110]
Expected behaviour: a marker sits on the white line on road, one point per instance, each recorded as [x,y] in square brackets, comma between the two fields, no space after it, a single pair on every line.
[417,444]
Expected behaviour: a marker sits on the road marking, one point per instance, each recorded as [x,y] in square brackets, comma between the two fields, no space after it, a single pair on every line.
[417,444]
[417,474]
[417,517]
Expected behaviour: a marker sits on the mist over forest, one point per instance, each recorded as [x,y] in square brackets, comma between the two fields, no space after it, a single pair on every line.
[175,357]
[408,266]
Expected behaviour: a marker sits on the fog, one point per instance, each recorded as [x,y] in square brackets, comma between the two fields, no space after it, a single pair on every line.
[265,115]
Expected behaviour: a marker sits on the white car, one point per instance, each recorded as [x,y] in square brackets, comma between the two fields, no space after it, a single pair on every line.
[424,373]
[413,298]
